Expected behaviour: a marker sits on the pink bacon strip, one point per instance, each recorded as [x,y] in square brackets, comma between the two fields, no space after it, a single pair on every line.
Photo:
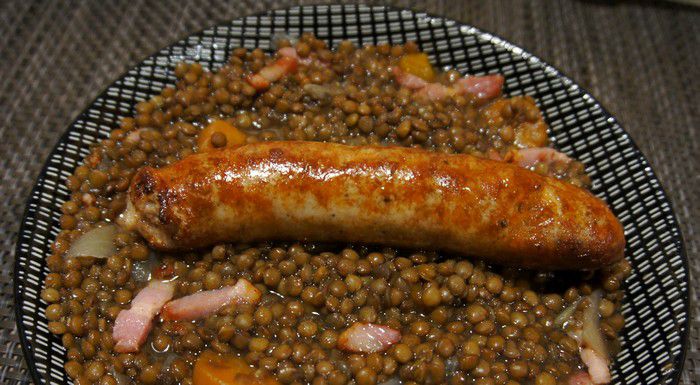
[273,72]
[132,326]
[597,366]
[291,52]
[528,157]
[482,87]
[368,338]
[580,378]
[435,91]
[407,80]
[205,303]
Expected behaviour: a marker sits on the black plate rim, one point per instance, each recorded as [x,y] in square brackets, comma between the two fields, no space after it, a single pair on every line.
[21,330]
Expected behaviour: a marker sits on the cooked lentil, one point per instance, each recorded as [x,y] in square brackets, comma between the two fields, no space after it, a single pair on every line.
[461,321]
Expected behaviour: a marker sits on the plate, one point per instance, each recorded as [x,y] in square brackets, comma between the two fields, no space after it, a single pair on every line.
[657,301]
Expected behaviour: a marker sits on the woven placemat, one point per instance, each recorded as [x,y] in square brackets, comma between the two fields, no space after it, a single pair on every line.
[639,58]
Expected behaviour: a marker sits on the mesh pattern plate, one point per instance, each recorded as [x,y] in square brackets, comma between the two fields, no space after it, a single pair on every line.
[656,305]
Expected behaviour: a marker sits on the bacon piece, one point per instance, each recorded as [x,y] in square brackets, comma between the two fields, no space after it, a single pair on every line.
[258,82]
[528,157]
[435,91]
[291,52]
[135,136]
[597,366]
[483,87]
[132,326]
[408,80]
[288,52]
[580,378]
[272,72]
[205,303]
[368,338]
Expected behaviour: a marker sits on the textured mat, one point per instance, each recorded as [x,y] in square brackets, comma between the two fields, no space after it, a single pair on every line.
[638,58]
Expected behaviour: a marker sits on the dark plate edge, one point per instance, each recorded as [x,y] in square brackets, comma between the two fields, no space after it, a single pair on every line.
[21,331]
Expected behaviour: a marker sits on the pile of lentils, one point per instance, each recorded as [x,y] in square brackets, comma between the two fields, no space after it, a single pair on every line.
[462,321]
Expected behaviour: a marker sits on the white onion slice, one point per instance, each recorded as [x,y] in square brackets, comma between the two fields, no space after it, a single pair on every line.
[591,335]
[281,35]
[565,314]
[141,271]
[320,92]
[97,243]
[392,381]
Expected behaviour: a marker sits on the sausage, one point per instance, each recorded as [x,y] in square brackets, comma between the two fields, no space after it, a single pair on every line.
[395,196]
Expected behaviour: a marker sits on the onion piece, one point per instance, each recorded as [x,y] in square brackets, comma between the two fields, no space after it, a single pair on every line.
[121,378]
[367,338]
[591,336]
[597,365]
[392,381]
[279,36]
[566,314]
[451,364]
[320,92]
[97,243]
[592,345]
[141,271]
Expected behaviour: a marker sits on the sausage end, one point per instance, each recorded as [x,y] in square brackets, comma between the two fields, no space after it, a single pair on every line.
[146,211]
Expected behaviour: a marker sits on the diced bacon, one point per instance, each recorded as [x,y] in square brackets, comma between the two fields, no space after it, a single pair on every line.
[528,157]
[483,87]
[272,72]
[132,326]
[258,82]
[134,137]
[408,80]
[368,338]
[288,52]
[291,52]
[205,303]
[278,69]
[580,378]
[435,91]
[597,366]
[88,199]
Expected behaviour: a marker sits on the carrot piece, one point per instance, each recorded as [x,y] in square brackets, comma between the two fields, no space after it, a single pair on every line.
[234,137]
[417,64]
[213,369]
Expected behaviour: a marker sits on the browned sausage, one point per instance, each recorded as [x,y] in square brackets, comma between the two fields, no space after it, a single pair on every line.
[378,195]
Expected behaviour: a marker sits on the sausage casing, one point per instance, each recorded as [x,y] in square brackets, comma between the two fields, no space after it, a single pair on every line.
[395,196]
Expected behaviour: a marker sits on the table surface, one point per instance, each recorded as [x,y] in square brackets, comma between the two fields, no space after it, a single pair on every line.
[639,58]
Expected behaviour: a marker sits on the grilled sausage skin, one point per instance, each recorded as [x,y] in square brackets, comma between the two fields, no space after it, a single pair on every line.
[401,197]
